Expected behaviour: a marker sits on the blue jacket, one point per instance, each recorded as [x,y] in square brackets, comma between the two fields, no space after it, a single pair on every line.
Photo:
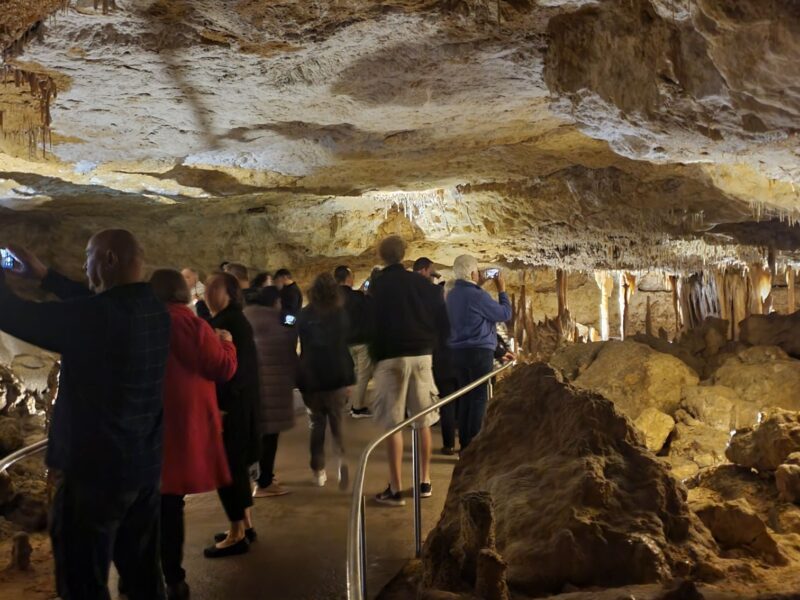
[474,316]
[106,427]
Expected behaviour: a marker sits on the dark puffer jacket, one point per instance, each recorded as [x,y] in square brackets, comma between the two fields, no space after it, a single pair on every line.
[276,346]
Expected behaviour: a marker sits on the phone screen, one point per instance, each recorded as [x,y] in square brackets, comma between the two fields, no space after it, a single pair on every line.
[492,273]
[6,259]
[289,320]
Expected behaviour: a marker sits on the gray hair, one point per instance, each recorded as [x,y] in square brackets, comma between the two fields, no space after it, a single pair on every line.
[464,266]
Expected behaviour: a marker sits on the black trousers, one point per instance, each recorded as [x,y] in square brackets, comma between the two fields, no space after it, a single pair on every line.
[237,496]
[266,466]
[448,413]
[91,526]
[172,537]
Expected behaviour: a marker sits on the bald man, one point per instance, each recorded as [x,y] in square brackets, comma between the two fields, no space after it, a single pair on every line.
[105,435]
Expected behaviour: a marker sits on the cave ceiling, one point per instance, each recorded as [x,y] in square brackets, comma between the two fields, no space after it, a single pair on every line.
[612,133]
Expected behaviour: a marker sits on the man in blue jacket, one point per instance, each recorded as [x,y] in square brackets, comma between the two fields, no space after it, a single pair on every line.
[105,437]
[474,316]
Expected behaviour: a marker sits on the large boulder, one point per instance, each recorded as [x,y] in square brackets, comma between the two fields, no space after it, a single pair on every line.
[787,478]
[773,330]
[29,509]
[764,376]
[636,377]
[573,359]
[655,426]
[695,445]
[578,500]
[768,445]
[719,406]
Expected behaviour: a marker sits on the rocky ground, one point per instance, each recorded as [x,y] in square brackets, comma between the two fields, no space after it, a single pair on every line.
[630,469]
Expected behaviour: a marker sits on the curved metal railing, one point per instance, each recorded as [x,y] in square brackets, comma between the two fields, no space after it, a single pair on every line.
[356,533]
[28,451]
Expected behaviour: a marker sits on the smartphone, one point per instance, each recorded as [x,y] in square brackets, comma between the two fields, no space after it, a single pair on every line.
[491,273]
[366,284]
[289,320]
[7,260]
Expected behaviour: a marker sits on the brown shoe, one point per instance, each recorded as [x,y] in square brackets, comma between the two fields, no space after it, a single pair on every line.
[270,491]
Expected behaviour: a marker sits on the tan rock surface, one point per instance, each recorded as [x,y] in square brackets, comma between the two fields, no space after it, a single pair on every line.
[586,491]
[656,427]
[636,377]
[719,407]
[764,376]
[766,446]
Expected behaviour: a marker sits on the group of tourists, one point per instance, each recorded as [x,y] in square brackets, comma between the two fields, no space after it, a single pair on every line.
[178,386]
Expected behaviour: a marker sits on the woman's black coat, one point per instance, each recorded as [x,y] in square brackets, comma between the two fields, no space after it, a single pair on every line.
[239,397]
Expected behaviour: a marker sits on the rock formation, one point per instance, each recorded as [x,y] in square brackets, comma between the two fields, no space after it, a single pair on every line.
[588,505]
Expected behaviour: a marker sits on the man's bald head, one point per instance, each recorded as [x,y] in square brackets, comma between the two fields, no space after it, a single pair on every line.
[114,257]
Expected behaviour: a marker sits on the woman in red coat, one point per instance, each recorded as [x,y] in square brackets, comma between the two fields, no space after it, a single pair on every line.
[194,457]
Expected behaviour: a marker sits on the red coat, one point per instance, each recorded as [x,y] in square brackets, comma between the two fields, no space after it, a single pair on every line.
[194,458]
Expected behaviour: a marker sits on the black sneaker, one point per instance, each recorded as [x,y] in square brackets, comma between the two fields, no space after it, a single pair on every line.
[360,413]
[425,490]
[389,498]
[178,591]
[448,451]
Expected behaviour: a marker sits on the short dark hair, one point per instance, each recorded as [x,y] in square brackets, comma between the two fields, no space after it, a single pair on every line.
[325,295]
[238,270]
[224,264]
[392,249]
[169,286]
[269,296]
[341,273]
[259,280]
[283,273]
[232,288]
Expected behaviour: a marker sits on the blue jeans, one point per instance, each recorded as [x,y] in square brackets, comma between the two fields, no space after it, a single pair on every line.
[472,364]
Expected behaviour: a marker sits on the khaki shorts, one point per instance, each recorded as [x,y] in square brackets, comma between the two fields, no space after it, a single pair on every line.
[403,387]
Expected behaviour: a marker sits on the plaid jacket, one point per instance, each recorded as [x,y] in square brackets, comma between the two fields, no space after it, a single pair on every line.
[107,421]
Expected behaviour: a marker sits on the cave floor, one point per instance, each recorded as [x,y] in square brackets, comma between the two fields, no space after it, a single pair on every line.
[301,550]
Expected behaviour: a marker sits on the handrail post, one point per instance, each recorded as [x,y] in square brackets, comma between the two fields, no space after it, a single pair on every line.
[363,544]
[415,458]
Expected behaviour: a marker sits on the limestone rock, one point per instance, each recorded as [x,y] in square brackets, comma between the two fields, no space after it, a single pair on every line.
[695,443]
[766,446]
[10,436]
[773,330]
[546,446]
[697,363]
[636,377]
[787,479]
[29,509]
[734,524]
[764,376]
[719,406]
[656,427]
[573,359]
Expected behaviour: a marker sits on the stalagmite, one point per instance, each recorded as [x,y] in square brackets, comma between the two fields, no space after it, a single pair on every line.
[791,302]
[627,286]
[761,286]
[674,286]
[648,319]
[605,281]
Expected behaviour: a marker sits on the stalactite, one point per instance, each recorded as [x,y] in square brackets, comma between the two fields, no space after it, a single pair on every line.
[734,289]
[648,319]
[43,89]
[605,281]
[561,291]
[761,287]
[699,299]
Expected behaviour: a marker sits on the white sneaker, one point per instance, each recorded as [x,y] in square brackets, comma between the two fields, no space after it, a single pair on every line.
[320,478]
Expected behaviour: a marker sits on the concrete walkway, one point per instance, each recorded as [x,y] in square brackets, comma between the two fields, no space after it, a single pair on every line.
[301,549]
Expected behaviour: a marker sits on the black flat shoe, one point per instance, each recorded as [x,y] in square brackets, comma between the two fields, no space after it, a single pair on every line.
[240,547]
[249,534]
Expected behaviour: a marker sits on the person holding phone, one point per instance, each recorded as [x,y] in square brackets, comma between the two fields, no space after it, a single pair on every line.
[105,438]
[474,315]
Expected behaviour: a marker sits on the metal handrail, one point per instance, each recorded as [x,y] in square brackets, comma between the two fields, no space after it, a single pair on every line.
[13,458]
[356,534]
